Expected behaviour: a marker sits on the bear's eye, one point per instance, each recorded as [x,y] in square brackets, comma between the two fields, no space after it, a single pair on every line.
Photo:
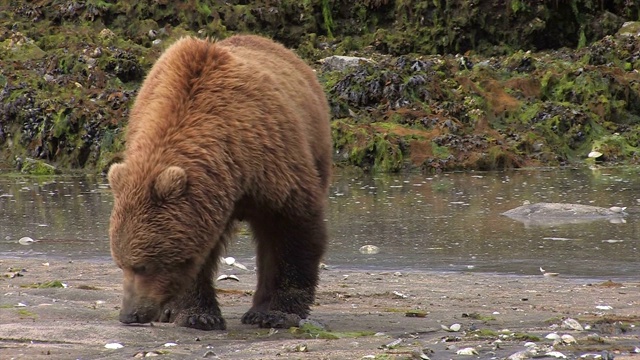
[139,269]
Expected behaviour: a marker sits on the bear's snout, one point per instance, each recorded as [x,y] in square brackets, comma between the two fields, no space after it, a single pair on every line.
[138,314]
[137,309]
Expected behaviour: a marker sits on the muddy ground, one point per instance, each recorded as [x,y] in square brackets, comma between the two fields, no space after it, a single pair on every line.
[362,312]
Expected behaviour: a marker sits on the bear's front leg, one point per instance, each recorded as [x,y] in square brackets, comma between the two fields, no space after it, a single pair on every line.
[198,307]
[289,253]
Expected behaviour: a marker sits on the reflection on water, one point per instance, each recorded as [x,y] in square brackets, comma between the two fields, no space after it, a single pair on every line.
[447,222]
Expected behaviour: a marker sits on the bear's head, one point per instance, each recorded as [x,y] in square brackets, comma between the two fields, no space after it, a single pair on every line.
[153,236]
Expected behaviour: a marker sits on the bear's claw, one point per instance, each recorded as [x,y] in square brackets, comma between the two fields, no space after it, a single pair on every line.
[271,319]
[195,320]
[202,322]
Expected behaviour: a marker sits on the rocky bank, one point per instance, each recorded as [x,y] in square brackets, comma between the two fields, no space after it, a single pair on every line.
[441,85]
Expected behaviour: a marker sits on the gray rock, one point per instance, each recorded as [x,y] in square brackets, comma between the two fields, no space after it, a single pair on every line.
[630,28]
[340,63]
[551,214]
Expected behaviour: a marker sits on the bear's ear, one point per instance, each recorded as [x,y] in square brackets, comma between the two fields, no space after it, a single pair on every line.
[116,175]
[171,183]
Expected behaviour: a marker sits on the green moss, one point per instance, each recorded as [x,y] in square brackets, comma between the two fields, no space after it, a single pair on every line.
[440,152]
[408,312]
[582,40]
[310,331]
[26,313]
[526,337]
[517,6]
[106,47]
[484,334]
[46,285]
[615,147]
[37,167]
[481,317]
[328,19]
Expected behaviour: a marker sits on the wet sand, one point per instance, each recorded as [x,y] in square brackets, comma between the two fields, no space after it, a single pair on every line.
[372,315]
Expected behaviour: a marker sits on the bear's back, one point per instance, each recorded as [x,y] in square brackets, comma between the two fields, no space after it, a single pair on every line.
[245,95]
[300,86]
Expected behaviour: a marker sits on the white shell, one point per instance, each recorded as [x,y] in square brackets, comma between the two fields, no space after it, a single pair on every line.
[231,261]
[26,241]
[568,339]
[467,351]
[240,266]
[572,324]
[369,249]
[520,355]
[114,346]
[400,295]
[228,260]
[594,154]
[169,344]
[556,354]
[604,307]
[452,328]
[552,336]
[227,277]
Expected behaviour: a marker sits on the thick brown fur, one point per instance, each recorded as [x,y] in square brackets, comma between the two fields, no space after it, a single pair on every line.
[220,132]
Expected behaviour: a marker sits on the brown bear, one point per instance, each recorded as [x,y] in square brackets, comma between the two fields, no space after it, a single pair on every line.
[221,132]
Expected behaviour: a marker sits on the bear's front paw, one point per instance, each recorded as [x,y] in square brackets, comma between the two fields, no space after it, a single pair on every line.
[201,321]
[167,315]
[271,319]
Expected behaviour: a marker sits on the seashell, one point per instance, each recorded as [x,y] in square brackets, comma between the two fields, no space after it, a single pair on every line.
[392,344]
[369,249]
[453,328]
[114,346]
[400,295]
[227,277]
[228,260]
[467,351]
[591,356]
[231,261]
[572,324]
[26,241]
[170,344]
[556,354]
[568,339]
[618,209]
[552,336]
[520,355]
[545,273]
[604,307]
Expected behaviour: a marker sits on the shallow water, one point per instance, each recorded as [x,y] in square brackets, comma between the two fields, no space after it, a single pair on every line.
[446,222]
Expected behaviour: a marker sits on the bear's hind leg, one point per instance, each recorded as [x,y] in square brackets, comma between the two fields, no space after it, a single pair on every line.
[289,253]
[198,307]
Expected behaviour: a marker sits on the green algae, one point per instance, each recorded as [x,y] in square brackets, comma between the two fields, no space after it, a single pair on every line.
[308,330]
[46,285]
[26,313]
